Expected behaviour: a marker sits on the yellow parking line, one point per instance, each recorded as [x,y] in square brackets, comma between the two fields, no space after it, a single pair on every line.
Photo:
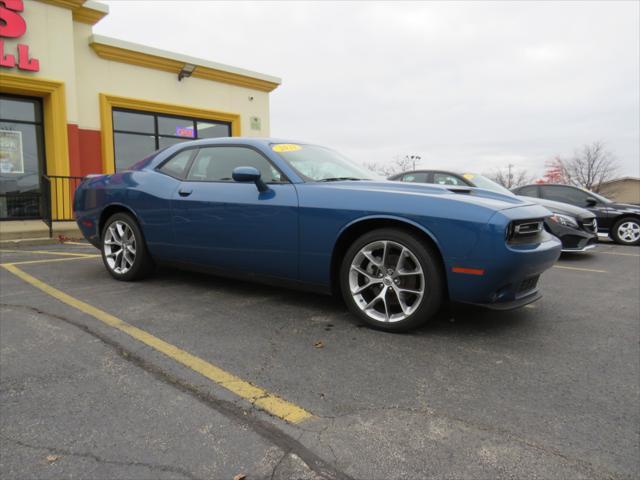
[256,395]
[84,244]
[580,269]
[46,252]
[51,260]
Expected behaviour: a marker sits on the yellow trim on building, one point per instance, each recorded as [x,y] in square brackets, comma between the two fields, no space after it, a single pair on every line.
[70,4]
[80,12]
[88,15]
[108,102]
[55,122]
[118,54]
[131,57]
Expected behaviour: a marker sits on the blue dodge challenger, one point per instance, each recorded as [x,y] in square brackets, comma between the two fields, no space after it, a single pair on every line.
[304,216]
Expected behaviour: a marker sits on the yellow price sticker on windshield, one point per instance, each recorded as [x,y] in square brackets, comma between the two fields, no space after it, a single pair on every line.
[286,147]
[469,176]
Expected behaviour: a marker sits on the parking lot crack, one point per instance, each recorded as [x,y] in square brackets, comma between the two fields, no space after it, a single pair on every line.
[248,418]
[277,465]
[69,453]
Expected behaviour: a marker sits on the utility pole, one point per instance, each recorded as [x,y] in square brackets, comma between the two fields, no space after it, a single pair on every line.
[510,177]
[414,159]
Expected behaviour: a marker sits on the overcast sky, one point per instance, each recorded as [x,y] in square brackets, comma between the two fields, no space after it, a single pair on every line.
[470,86]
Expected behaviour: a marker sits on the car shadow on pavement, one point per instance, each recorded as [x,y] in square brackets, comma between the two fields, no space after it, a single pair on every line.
[452,319]
[231,286]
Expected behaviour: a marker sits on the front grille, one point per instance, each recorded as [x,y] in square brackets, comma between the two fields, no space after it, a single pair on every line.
[527,285]
[590,226]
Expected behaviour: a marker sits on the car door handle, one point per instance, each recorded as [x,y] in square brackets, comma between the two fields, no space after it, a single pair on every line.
[184,192]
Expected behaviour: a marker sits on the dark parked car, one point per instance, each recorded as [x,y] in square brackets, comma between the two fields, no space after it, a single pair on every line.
[575,227]
[303,215]
[620,220]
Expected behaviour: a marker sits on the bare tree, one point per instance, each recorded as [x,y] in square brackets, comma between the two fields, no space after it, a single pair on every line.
[510,178]
[397,165]
[590,166]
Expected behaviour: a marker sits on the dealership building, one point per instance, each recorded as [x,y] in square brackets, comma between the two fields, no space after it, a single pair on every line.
[74,103]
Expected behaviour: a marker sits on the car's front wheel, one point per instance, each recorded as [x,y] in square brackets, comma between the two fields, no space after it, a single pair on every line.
[124,252]
[626,231]
[392,280]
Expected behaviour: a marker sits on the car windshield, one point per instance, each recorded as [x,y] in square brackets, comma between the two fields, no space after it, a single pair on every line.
[319,164]
[481,181]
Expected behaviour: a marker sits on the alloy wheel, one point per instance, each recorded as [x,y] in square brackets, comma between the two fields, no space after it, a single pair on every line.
[386,281]
[120,247]
[629,231]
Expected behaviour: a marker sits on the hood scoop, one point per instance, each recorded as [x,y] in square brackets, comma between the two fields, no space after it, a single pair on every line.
[458,189]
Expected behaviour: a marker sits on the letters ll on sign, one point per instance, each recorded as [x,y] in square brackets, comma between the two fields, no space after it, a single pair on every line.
[12,25]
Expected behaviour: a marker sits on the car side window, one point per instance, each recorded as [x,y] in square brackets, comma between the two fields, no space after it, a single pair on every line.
[447,179]
[570,195]
[216,164]
[177,164]
[530,191]
[418,177]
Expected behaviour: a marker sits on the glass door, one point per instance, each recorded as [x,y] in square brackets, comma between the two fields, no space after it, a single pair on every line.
[22,159]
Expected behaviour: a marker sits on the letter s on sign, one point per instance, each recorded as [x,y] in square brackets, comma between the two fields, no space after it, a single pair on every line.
[12,25]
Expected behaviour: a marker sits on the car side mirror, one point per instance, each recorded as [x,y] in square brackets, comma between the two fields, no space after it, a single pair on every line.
[249,174]
[591,202]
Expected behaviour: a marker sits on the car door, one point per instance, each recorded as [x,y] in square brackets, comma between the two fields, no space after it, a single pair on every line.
[579,198]
[231,225]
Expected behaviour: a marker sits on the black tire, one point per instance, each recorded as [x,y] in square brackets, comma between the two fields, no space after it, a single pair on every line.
[143,264]
[615,234]
[432,282]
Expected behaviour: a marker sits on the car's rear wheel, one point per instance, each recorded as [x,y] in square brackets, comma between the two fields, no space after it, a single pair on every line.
[392,280]
[626,231]
[124,252]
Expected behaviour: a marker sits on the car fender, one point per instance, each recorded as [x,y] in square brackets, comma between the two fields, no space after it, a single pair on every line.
[120,207]
[389,217]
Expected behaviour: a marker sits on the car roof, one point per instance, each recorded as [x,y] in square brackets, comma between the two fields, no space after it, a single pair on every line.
[547,185]
[255,141]
[427,170]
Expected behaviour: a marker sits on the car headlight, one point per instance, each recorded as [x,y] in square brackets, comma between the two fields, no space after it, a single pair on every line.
[524,231]
[565,220]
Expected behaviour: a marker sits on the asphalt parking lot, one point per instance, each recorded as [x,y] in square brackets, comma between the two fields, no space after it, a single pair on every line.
[190,376]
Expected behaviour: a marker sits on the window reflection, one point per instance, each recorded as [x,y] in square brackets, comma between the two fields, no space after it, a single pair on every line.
[138,134]
[129,148]
[21,158]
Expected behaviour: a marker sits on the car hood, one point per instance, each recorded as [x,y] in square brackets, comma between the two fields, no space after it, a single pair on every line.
[559,207]
[472,195]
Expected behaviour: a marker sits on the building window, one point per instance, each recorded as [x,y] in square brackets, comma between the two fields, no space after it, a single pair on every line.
[138,134]
[22,157]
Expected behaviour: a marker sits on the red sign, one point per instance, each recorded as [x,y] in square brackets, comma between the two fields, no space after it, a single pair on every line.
[12,25]
[185,132]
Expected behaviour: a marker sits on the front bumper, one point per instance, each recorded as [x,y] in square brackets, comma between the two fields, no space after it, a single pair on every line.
[574,240]
[513,304]
[586,248]
[510,274]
